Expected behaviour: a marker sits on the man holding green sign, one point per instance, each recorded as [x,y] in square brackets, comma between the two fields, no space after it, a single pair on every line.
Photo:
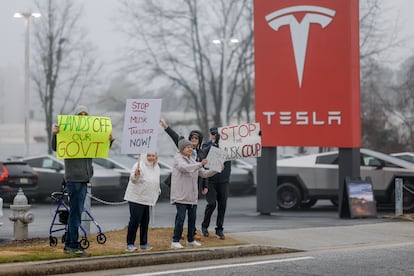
[78,138]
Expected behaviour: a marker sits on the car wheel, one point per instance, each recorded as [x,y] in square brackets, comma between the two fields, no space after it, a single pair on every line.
[288,196]
[308,203]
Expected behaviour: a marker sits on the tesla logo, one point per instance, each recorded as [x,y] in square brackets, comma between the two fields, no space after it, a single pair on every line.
[305,118]
[299,31]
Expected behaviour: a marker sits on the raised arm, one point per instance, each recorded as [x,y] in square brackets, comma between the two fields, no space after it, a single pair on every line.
[174,136]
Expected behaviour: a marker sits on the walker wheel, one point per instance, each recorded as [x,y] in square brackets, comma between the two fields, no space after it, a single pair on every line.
[101,238]
[84,243]
[53,241]
[64,238]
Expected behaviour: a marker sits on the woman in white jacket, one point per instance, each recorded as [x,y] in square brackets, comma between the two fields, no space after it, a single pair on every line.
[142,192]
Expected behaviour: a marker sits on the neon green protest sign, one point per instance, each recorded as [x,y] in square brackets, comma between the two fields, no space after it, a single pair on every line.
[83,136]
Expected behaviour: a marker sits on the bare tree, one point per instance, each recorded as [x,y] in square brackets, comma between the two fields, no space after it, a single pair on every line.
[65,63]
[386,107]
[380,126]
[172,46]
[400,104]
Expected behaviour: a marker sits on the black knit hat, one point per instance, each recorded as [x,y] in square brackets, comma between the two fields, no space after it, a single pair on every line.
[197,133]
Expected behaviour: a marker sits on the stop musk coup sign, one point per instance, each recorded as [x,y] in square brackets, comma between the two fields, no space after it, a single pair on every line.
[307,72]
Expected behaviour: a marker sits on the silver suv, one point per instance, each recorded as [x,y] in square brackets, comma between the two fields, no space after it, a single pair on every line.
[304,180]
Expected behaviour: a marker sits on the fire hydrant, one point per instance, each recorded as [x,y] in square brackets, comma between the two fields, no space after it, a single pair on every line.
[21,216]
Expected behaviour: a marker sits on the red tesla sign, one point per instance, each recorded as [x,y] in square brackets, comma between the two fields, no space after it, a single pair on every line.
[307,72]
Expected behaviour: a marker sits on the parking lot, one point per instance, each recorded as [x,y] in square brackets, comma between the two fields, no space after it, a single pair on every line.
[110,178]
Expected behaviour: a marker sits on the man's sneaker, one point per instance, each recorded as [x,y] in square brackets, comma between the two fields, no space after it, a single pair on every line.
[68,250]
[82,253]
[176,245]
[204,231]
[145,247]
[77,252]
[130,248]
[220,235]
[193,243]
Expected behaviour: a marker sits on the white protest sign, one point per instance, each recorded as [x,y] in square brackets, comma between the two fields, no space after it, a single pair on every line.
[241,141]
[216,158]
[141,126]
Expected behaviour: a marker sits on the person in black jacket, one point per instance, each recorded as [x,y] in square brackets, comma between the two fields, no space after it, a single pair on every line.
[218,190]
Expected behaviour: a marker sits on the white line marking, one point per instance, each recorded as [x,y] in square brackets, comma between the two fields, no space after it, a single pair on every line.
[222,266]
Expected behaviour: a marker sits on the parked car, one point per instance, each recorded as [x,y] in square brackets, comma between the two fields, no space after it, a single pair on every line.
[105,184]
[241,180]
[304,180]
[249,164]
[112,164]
[407,156]
[14,175]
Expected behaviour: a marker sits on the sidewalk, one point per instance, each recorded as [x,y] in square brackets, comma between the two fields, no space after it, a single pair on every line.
[259,243]
[320,238]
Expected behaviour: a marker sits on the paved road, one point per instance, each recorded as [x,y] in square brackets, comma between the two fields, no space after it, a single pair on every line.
[377,260]
[336,246]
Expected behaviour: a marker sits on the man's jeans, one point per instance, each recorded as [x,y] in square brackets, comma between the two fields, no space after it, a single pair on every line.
[179,221]
[77,194]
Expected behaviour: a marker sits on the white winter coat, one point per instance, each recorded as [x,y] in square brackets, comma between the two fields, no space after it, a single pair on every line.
[144,188]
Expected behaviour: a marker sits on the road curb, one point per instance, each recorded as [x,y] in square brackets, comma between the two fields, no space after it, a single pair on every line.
[75,265]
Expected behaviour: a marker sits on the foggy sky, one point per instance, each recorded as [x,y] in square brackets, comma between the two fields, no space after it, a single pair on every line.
[98,20]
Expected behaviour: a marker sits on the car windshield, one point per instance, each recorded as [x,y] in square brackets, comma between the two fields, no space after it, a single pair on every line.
[106,163]
[408,158]
[44,162]
[366,160]
[126,160]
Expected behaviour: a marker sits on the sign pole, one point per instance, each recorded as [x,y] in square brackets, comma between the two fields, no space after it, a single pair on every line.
[398,197]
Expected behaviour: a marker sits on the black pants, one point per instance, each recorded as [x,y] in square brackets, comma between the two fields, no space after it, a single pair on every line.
[139,217]
[217,196]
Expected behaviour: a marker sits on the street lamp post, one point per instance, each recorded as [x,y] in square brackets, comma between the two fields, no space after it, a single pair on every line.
[26,16]
[226,43]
